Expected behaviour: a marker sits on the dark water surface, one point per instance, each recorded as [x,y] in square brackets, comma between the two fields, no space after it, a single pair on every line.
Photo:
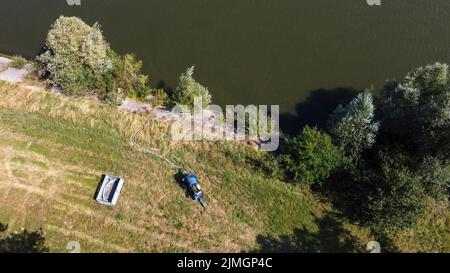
[302,54]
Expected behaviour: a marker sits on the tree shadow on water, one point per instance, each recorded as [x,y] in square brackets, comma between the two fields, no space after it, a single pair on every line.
[316,109]
[23,242]
[331,237]
[167,88]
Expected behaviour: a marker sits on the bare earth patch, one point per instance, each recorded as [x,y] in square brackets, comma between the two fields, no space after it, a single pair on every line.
[13,75]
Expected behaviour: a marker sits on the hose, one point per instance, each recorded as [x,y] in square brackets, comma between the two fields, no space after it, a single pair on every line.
[165,159]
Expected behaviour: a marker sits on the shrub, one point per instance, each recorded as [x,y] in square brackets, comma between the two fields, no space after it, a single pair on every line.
[18,62]
[160,98]
[309,158]
[128,76]
[188,89]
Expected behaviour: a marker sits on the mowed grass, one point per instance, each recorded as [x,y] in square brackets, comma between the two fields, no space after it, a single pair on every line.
[54,149]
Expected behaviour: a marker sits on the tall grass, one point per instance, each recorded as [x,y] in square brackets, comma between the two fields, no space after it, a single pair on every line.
[18,62]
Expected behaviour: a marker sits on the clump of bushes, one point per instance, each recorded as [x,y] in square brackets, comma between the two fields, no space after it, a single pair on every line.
[128,78]
[188,89]
[309,158]
[412,147]
[160,98]
[78,59]
[391,196]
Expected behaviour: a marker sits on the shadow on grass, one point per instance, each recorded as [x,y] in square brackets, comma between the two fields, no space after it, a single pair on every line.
[23,242]
[330,237]
[178,177]
[3,227]
[349,197]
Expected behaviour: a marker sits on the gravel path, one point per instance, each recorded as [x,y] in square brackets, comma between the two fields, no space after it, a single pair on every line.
[205,120]
[134,106]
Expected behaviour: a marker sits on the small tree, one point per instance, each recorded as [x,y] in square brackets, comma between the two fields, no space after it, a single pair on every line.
[309,158]
[188,88]
[76,56]
[70,36]
[353,128]
[129,78]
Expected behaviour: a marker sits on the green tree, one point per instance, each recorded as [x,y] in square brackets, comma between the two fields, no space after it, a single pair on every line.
[188,89]
[416,111]
[129,78]
[310,157]
[353,127]
[76,56]
[395,196]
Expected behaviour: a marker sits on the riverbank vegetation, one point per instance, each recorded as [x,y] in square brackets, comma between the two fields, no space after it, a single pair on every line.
[79,60]
[188,89]
[394,154]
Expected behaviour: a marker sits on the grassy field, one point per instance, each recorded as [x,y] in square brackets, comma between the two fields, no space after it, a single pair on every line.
[54,149]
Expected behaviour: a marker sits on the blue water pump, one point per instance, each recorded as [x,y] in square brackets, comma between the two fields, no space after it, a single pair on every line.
[193,188]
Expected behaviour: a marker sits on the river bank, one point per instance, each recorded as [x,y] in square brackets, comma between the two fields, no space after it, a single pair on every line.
[206,121]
